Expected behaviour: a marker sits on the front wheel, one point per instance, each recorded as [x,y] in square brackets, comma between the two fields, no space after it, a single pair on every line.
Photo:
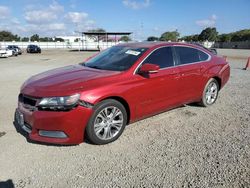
[107,122]
[210,93]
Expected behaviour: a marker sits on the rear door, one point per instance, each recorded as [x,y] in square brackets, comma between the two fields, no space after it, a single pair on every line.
[191,63]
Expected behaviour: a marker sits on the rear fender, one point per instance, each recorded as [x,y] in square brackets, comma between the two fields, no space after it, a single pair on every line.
[224,74]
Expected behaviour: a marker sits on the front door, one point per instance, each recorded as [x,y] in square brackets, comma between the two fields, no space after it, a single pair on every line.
[158,91]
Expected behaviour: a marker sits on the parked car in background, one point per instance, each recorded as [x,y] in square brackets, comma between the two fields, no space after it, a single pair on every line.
[15,48]
[33,49]
[120,85]
[6,53]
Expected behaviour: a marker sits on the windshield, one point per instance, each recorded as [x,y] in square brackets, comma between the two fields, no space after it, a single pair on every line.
[116,58]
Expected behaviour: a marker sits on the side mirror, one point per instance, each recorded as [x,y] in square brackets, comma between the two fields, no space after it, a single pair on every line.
[149,68]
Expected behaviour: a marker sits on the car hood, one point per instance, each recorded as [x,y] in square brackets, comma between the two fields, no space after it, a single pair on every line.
[63,80]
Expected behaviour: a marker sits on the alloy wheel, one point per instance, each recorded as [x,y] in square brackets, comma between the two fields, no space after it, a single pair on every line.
[108,123]
[211,93]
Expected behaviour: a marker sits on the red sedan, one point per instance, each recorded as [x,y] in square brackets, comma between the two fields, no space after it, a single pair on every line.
[125,83]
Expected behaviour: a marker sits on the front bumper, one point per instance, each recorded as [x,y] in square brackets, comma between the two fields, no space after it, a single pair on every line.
[54,126]
[4,55]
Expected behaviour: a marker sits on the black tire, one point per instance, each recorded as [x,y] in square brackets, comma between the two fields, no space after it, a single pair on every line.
[90,130]
[204,101]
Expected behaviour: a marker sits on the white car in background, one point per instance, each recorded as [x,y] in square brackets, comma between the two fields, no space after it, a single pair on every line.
[6,53]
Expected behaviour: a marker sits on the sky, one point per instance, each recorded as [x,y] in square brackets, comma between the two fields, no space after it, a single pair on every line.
[142,17]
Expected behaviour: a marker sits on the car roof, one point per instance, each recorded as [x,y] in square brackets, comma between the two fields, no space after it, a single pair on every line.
[143,44]
[160,44]
[157,44]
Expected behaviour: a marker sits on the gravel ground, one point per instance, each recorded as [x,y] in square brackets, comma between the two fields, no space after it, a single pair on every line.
[189,146]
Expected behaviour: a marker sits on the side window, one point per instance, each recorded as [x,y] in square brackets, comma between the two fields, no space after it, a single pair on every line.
[162,57]
[187,55]
[203,56]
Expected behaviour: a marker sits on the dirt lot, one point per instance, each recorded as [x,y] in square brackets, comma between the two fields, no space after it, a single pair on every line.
[189,146]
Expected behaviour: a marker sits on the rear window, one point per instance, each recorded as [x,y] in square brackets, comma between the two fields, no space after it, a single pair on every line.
[190,55]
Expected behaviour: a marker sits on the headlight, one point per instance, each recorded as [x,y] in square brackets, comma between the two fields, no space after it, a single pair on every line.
[59,103]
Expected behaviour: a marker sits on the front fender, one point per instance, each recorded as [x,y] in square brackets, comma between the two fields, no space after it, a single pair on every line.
[115,91]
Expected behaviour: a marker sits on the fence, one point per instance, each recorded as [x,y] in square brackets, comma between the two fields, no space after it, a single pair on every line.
[235,45]
[85,45]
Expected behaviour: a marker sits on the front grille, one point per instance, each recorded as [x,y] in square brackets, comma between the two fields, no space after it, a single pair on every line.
[31,101]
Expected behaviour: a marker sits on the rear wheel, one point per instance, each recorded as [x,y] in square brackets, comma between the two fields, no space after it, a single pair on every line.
[210,93]
[107,122]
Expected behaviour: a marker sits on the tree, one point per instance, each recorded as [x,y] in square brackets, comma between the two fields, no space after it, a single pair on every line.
[190,38]
[8,36]
[59,39]
[170,36]
[98,30]
[152,38]
[25,39]
[77,40]
[209,34]
[17,38]
[45,39]
[224,38]
[242,35]
[125,38]
[34,37]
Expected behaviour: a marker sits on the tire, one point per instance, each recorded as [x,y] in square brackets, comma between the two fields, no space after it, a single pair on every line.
[210,93]
[101,128]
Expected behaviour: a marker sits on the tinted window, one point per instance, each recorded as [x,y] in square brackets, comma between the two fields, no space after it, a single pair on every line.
[162,57]
[190,55]
[203,56]
[116,58]
[187,55]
